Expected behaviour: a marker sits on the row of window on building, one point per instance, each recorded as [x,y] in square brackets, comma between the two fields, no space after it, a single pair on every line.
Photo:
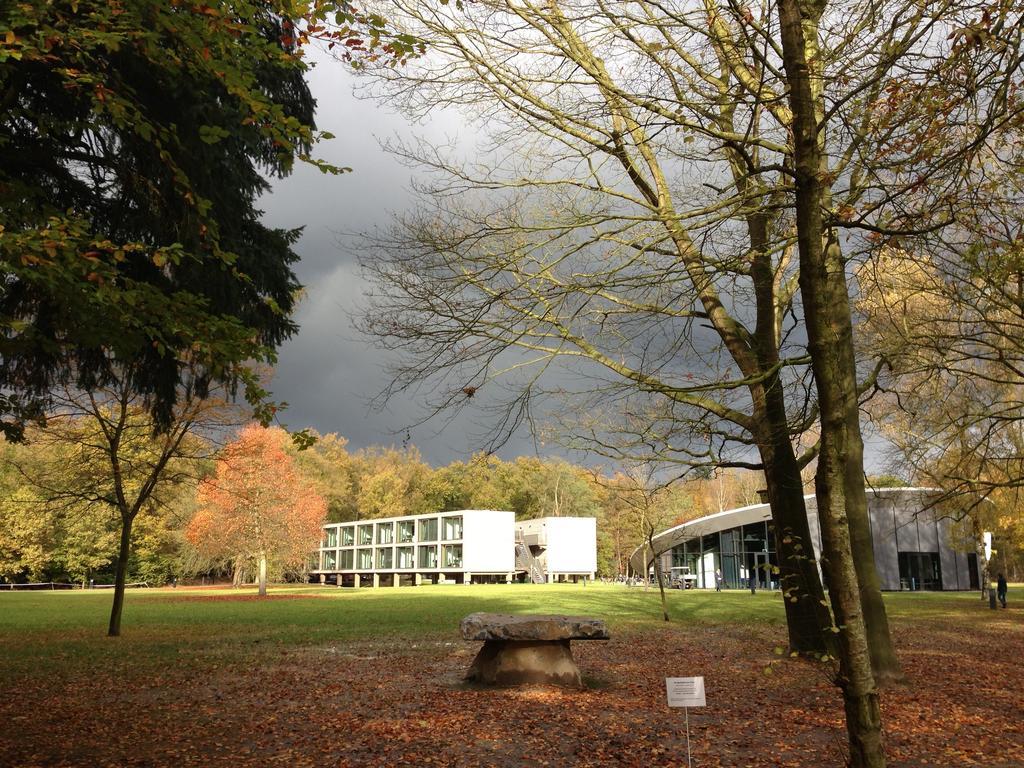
[737,553]
[393,558]
[402,532]
[371,545]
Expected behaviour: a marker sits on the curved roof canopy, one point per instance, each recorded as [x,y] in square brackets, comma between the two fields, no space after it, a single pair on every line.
[692,529]
[732,518]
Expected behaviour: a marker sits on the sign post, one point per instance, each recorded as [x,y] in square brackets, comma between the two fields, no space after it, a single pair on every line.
[686,692]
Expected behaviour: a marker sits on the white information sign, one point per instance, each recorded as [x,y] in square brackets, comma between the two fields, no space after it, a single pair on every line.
[685,691]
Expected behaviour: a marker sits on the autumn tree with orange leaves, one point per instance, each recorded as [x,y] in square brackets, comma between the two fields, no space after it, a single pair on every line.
[256,508]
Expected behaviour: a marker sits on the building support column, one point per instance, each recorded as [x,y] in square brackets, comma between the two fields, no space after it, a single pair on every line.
[397,580]
[376,580]
[355,580]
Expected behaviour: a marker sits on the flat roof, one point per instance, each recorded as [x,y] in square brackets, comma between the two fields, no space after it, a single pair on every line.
[421,516]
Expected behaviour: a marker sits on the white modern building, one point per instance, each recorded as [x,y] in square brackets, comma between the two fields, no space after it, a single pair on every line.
[917,544]
[563,548]
[462,546]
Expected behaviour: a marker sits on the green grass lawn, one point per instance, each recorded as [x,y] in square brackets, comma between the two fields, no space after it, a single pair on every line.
[54,630]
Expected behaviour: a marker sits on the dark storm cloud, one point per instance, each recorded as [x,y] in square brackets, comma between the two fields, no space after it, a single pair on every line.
[327,205]
[327,373]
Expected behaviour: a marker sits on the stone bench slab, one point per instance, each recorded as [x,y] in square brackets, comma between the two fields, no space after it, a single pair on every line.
[523,649]
[531,627]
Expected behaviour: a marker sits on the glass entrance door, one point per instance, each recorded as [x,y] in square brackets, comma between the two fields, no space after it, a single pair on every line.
[920,570]
[764,577]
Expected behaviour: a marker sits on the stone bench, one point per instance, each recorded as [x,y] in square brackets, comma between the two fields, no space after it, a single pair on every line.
[528,648]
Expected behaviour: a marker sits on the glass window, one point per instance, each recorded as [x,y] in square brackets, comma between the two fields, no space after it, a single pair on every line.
[678,556]
[427,557]
[754,537]
[348,536]
[406,557]
[453,528]
[920,570]
[406,531]
[347,559]
[365,534]
[773,570]
[972,569]
[330,559]
[385,557]
[364,560]
[428,529]
[332,537]
[731,571]
[385,533]
[451,556]
[731,541]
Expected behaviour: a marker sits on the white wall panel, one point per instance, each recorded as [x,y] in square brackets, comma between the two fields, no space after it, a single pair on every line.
[572,544]
[488,541]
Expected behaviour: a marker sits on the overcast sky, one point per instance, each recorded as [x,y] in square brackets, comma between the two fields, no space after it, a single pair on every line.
[327,372]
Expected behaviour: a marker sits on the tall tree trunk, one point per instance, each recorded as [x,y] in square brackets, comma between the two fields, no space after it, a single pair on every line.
[856,680]
[807,617]
[263,574]
[120,575]
[829,332]
[884,662]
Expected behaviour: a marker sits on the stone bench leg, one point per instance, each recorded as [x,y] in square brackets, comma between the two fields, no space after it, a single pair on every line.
[514,662]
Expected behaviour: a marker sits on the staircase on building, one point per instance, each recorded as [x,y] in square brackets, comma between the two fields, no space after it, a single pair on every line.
[526,562]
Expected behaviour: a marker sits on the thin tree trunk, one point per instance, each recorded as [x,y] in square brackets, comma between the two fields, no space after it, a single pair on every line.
[979,544]
[657,575]
[120,576]
[263,574]
[829,332]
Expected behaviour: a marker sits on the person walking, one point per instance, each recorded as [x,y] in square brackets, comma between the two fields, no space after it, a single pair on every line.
[753,581]
[1001,589]
[718,580]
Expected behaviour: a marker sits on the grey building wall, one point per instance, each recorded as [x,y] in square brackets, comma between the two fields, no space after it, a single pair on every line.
[927,531]
[815,528]
[882,514]
[964,572]
[948,561]
[905,523]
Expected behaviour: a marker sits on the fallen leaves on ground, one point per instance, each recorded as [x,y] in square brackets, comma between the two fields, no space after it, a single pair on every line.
[402,703]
